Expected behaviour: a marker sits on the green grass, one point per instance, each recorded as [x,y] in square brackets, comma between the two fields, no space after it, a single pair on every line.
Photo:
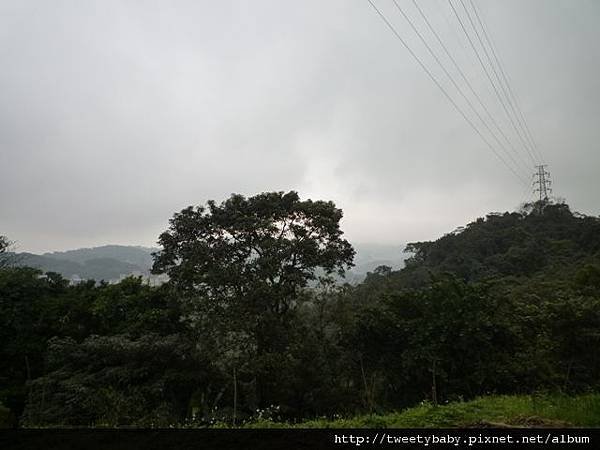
[494,411]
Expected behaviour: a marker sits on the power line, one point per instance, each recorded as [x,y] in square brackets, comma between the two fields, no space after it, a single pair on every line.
[432,53]
[468,83]
[483,66]
[510,97]
[525,145]
[506,82]
[441,88]
[528,145]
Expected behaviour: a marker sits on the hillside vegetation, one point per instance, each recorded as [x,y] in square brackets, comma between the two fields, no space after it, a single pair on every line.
[509,305]
[109,262]
[490,411]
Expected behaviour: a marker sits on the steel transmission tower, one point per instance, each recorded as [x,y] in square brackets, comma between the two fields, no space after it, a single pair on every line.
[542,182]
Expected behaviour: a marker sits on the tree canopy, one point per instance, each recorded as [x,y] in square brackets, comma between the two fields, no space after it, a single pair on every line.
[246,260]
[242,331]
[271,240]
[4,246]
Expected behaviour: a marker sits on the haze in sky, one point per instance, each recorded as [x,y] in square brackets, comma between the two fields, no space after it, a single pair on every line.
[116,114]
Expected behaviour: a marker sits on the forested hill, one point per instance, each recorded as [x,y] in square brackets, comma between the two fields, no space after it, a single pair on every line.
[538,240]
[108,262]
[509,305]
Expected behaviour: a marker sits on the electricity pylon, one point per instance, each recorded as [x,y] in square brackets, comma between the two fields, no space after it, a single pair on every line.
[542,182]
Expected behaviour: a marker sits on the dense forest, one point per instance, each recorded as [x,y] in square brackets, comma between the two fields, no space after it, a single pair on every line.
[253,323]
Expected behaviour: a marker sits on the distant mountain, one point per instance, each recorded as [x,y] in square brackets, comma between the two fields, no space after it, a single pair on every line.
[135,255]
[113,262]
[109,263]
[370,256]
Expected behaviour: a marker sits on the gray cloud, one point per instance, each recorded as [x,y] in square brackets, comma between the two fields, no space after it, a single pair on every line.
[114,115]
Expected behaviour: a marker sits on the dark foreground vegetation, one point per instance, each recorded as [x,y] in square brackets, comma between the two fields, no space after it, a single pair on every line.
[251,327]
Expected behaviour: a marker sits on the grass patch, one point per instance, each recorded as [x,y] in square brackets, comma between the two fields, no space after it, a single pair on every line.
[493,411]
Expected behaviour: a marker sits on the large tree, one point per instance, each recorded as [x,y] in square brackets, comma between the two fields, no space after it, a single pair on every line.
[271,245]
[243,264]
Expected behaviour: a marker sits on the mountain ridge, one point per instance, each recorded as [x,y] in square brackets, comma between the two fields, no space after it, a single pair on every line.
[112,262]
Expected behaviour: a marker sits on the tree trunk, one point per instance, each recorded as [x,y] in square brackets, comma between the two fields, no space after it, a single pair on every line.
[434,399]
[368,393]
[234,396]
[568,375]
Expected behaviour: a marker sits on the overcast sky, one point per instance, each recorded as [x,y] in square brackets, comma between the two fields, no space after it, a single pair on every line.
[114,115]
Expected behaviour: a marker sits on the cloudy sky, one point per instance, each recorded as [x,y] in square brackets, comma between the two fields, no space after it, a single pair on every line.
[116,114]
